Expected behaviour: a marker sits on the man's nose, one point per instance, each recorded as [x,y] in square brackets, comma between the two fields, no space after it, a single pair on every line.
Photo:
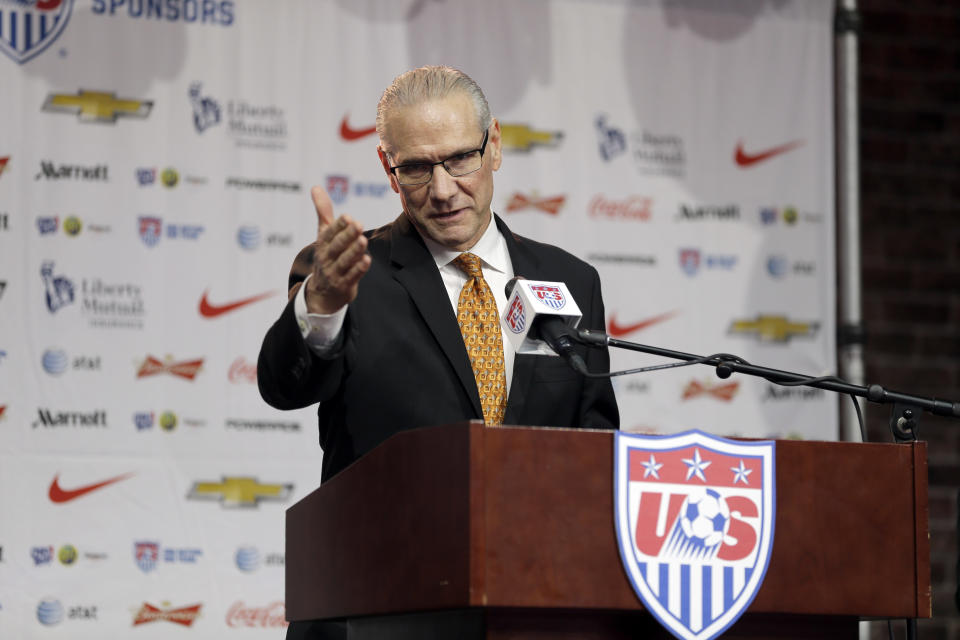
[443,186]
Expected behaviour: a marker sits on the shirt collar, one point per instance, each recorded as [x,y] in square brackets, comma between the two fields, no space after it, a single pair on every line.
[491,248]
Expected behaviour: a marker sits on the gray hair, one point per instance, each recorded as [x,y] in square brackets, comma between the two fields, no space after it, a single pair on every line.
[430,83]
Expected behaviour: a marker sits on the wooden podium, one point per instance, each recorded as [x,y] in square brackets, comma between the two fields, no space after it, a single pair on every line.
[464,531]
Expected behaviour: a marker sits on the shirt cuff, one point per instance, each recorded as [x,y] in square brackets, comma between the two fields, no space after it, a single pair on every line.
[321,331]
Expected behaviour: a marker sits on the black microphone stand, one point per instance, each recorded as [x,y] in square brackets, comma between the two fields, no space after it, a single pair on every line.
[904,419]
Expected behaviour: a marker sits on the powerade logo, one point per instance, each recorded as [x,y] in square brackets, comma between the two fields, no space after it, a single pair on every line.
[191,11]
[31,26]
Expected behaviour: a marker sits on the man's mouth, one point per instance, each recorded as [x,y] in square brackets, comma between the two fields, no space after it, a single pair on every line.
[446,215]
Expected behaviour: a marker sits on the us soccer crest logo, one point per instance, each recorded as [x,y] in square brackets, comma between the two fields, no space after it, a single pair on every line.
[550,295]
[30,26]
[151,230]
[338,187]
[516,319]
[694,520]
[146,555]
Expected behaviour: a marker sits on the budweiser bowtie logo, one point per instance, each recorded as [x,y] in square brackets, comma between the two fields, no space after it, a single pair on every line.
[187,369]
[272,615]
[550,205]
[723,392]
[183,615]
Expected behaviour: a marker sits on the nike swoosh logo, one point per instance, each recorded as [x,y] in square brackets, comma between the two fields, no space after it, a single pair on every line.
[617,330]
[744,159]
[59,495]
[208,310]
[349,133]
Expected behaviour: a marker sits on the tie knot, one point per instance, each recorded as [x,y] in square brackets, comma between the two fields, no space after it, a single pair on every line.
[469,264]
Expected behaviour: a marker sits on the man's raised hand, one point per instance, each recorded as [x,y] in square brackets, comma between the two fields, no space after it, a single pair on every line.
[339,258]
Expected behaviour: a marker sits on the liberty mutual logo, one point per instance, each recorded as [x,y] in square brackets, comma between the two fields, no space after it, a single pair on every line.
[206,110]
[58,289]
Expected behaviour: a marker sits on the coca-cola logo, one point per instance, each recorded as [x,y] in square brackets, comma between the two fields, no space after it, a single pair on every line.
[632,208]
[243,371]
[272,615]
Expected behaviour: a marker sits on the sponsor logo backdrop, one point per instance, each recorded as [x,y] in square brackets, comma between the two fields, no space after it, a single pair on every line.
[154,176]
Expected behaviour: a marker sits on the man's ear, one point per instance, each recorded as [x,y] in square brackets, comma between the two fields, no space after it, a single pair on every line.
[494,145]
[385,161]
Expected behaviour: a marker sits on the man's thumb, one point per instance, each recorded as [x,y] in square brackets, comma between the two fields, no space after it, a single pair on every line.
[323,205]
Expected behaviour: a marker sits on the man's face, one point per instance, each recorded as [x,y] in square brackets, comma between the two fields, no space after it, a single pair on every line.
[453,212]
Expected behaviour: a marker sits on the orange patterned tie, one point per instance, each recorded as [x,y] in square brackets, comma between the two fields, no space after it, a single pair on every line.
[480,326]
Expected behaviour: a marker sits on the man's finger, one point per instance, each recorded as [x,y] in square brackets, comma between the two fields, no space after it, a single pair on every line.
[344,234]
[323,205]
[349,256]
[357,271]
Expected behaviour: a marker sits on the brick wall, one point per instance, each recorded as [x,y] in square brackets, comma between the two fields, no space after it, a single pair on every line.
[910,219]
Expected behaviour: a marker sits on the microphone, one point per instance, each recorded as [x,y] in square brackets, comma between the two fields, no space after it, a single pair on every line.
[542,311]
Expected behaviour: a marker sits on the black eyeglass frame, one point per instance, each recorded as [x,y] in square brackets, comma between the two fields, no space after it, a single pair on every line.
[482,148]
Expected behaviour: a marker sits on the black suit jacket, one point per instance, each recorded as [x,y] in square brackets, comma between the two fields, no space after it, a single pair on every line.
[403,363]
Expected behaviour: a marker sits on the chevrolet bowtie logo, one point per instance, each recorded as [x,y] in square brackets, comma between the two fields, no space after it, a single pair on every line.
[97,106]
[520,137]
[775,328]
[239,492]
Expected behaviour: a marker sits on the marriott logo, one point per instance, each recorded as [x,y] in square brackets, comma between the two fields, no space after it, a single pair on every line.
[51,171]
[51,418]
[709,212]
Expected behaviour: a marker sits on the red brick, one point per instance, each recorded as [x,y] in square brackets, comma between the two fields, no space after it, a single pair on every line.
[887,277]
[943,346]
[916,121]
[916,312]
[910,25]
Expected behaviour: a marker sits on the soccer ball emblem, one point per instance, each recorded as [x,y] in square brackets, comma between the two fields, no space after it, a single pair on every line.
[705,517]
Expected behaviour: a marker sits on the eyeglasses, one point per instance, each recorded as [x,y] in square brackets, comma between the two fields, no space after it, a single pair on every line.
[459,165]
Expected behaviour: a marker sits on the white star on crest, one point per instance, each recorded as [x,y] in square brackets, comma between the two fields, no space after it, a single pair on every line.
[696,466]
[741,473]
[651,467]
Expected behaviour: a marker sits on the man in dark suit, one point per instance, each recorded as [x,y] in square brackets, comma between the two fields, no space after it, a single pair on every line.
[377,322]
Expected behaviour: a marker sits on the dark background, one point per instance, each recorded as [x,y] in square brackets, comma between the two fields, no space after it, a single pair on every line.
[910,234]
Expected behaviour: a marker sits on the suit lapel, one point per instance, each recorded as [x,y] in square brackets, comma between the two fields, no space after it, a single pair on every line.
[525,264]
[416,271]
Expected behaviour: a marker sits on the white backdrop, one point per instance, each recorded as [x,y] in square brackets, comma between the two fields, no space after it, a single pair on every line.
[155,163]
